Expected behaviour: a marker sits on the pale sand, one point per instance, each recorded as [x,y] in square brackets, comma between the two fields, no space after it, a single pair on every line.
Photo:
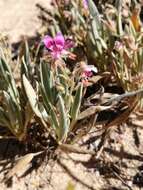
[20,17]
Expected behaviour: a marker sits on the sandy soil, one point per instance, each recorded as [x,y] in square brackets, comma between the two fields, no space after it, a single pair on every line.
[119,167]
[19,17]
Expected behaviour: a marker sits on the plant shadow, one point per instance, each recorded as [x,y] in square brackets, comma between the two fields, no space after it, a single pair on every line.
[11,150]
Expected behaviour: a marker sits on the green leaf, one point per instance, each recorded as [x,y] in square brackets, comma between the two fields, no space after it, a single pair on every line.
[63,127]
[24,68]
[54,120]
[3,119]
[13,110]
[76,104]
[119,16]
[10,107]
[27,54]
[47,81]
[32,97]
[7,77]
[45,99]
[95,14]
[96,28]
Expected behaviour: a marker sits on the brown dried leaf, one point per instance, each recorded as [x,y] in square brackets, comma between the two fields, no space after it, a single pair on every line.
[92,110]
[95,79]
[136,19]
[74,149]
[136,118]
[21,164]
[138,123]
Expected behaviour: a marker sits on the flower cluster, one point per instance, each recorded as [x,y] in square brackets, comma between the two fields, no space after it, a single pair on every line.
[58,46]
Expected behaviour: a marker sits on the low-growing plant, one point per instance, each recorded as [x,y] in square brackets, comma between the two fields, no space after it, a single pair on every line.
[15,112]
[61,100]
[61,90]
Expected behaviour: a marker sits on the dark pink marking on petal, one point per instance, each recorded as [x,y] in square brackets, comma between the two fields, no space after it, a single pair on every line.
[88,73]
[49,42]
[59,41]
[69,43]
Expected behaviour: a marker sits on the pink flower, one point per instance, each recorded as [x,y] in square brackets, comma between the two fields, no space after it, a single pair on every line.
[58,45]
[85,4]
[118,46]
[87,72]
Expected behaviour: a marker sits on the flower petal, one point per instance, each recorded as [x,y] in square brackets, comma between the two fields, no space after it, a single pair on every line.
[55,54]
[69,43]
[59,40]
[49,42]
[87,74]
[89,68]
[93,68]
[85,4]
